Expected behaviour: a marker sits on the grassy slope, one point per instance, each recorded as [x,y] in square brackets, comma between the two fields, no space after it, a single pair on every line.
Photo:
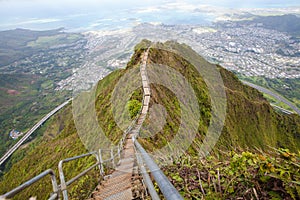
[13,43]
[26,107]
[61,141]
[250,123]
[249,116]
[250,119]
[289,88]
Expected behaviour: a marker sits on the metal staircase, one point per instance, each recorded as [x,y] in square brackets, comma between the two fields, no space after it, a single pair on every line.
[120,184]
[130,179]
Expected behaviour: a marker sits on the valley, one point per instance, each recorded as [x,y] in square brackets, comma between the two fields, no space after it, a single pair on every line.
[39,70]
[257,148]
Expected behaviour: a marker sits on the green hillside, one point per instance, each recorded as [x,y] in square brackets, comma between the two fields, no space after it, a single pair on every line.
[250,120]
[250,159]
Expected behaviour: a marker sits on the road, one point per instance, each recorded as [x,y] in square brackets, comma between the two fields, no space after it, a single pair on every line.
[275,95]
[27,135]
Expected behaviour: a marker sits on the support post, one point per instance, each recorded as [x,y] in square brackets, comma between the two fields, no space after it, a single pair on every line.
[119,153]
[101,162]
[112,158]
[63,184]
[98,161]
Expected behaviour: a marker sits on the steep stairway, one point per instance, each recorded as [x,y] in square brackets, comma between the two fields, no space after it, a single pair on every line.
[125,182]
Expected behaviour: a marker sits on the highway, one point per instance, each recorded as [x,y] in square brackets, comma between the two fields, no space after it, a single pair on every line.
[27,135]
[275,95]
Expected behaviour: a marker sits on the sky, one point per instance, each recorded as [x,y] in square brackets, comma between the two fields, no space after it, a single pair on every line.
[22,12]
[26,8]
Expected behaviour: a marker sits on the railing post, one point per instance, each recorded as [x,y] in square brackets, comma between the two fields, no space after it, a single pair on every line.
[54,184]
[98,161]
[63,185]
[112,158]
[28,183]
[119,152]
[101,163]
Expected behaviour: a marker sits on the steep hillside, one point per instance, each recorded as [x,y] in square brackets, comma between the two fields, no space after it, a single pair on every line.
[13,43]
[250,120]
[60,141]
[251,124]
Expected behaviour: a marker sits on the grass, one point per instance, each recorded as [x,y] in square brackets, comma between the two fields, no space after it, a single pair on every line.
[35,99]
[59,142]
[235,167]
[277,103]
[238,174]
[47,41]
[288,88]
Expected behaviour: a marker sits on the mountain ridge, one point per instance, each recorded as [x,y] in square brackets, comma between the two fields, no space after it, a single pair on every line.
[259,128]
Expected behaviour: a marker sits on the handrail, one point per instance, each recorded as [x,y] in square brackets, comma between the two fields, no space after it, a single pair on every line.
[168,190]
[28,183]
[99,163]
[63,183]
[146,177]
[31,131]
[166,187]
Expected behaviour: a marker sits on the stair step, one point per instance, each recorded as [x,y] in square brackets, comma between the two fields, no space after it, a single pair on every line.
[124,181]
[112,190]
[126,194]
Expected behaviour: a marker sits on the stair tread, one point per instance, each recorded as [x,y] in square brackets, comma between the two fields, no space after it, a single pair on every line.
[119,185]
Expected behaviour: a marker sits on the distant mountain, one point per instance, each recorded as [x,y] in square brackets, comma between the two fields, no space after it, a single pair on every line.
[284,23]
[13,43]
[20,37]
[250,124]
[30,67]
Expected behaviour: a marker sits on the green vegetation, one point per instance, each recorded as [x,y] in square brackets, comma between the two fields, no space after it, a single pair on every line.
[48,41]
[285,23]
[13,43]
[250,159]
[134,107]
[25,99]
[235,174]
[288,88]
[251,120]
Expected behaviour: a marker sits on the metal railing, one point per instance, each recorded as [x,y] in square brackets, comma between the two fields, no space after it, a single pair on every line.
[165,186]
[28,183]
[99,157]
[64,183]
[143,159]
[146,177]
[62,188]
